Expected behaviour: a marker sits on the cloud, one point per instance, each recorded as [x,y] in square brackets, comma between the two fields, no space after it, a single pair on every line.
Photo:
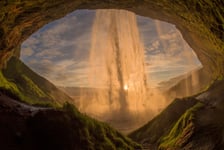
[59,50]
[49,53]
[168,55]
[27,52]
[30,41]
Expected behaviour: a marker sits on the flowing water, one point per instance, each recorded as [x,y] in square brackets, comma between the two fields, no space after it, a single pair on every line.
[117,68]
[117,60]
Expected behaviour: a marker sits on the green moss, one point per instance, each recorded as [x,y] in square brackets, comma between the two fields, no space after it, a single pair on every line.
[207,87]
[177,135]
[7,85]
[33,87]
[220,78]
[212,83]
[11,89]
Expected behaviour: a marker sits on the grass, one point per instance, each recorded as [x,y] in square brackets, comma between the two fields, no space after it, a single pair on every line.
[33,87]
[182,129]
[7,85]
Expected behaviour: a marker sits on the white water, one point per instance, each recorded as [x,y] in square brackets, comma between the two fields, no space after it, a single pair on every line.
[117,61]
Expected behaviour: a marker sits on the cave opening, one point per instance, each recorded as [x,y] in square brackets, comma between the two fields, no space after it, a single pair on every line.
[34,112]
[60,52]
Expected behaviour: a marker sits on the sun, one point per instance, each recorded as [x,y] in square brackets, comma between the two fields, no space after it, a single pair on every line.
[125,87]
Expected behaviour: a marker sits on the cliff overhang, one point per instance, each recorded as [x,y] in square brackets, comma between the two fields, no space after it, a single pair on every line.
[201,23]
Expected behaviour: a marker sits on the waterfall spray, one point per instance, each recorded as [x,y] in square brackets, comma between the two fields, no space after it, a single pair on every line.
[117,61]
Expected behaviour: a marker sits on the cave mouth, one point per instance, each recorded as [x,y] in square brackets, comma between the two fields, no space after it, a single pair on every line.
[60,51]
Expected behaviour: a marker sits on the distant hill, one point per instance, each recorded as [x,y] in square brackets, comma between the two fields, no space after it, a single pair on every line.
[30,87]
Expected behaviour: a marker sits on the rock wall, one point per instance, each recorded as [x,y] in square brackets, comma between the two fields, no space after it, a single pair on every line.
[201,22]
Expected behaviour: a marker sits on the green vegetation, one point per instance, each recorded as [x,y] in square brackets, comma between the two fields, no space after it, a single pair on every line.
[7,85]
[29,87]
[205,19]
[11,89]
[211,84]
[33,87]
[182,130]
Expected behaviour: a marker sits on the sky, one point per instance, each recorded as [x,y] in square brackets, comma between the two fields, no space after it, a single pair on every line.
[59,51]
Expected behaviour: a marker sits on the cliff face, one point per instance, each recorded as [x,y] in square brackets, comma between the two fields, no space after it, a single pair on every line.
[201,22]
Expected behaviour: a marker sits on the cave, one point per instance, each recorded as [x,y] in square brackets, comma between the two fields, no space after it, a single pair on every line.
[201,25]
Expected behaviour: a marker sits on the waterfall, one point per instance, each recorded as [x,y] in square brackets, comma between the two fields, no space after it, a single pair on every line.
[117,67]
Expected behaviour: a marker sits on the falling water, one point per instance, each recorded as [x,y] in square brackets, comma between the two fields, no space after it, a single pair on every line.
[117,62]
